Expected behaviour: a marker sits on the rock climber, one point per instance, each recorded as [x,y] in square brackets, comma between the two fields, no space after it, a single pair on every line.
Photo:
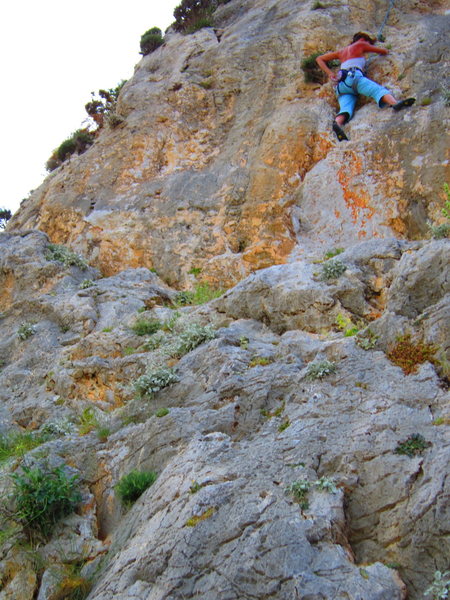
[351,80]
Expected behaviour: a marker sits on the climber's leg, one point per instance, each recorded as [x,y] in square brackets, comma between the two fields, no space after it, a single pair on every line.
[347,103]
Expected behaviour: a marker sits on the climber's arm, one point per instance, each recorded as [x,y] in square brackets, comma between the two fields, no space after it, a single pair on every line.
[322,62]
[370,48]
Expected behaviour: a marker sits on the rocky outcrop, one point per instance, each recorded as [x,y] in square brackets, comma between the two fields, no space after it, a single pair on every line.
[225,160]
[244,423]
[298,423]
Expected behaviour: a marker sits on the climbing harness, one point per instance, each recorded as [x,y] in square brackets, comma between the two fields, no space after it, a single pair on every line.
[380,36]
[342,76]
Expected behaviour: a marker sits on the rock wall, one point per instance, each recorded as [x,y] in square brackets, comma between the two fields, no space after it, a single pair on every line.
[226,161]
[301,445]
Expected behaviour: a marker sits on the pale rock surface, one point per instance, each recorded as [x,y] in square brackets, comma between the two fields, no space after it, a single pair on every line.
[241,428]
[225,160]
[225,163]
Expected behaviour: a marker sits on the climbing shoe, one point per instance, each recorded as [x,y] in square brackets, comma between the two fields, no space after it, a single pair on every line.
[404,103]
[340,134]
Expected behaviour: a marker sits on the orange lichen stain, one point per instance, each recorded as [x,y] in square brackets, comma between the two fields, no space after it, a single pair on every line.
[355,195]
[397,224]
[337,213]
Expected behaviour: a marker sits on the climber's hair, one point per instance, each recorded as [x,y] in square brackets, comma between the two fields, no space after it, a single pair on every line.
[365,36]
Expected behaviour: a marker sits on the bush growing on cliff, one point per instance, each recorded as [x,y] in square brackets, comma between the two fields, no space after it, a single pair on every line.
[66,256]
[104,106]
[151,40]
[133,485]
[146,326]
[311,70]
[192,15]
[154,380]
[332,269]
[440,587]
[321,369]
[443,230]
[5,216]
[193,336]
[42,497]
[77,143]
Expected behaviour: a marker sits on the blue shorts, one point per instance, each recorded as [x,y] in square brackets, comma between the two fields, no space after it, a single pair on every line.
[354,84]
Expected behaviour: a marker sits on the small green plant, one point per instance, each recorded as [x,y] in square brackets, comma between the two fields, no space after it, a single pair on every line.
[192,336]
[131,486]
[86,283]
[169,325]
[346,325]
[202,293]
[153,381]
[367,340]
[317,5]
[72,585]
[43,496]
[393,565]
[299,489]
[413,445]
[206,84]
[440,587]
[151,40]
[26,330]
[107,330]
[284,425]
[276,413]
[195,271]
[162,412]
[439,232]
[154,342]
[332,269]
[64,255]
[446,95]
[441,421]
[146,326]
[443,230]
[259,361]
[409,355]
[17,444]
[103,433]
[426,101]
[128,350]
[87,421]
[244,342]
[332,253]
[57,428]
[321,369]
[326,484]
[195,487]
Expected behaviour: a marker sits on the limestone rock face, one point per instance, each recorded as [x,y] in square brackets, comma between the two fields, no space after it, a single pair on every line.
[225,160]
[246,421]
[298,423]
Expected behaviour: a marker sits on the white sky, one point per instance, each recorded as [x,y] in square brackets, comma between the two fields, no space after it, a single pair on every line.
[53,54]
